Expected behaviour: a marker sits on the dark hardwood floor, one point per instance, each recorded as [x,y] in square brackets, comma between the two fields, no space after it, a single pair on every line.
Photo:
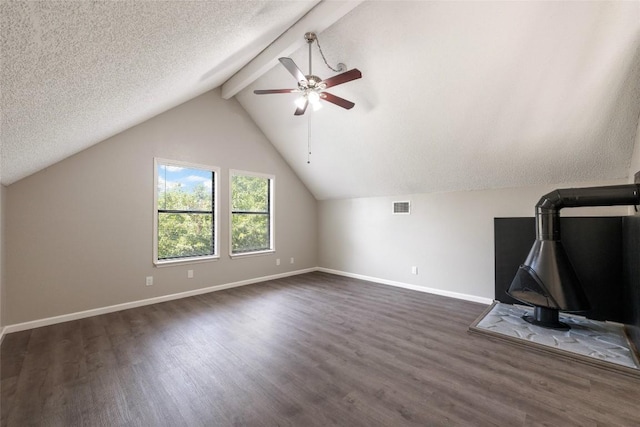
[309,350]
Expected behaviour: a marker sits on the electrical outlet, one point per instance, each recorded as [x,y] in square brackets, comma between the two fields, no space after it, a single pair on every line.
[291,260]
[277,261]
[189,274]
[149,281]
[414,270]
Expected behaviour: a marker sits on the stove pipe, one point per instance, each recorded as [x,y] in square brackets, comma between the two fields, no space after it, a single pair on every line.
[547,279]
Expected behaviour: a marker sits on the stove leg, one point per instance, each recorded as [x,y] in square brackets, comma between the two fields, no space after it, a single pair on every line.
[546,318]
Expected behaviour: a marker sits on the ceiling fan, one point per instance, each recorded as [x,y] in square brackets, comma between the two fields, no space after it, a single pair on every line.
[313,87]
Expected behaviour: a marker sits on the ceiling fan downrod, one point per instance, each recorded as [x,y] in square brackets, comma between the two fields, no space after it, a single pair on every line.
[310,38]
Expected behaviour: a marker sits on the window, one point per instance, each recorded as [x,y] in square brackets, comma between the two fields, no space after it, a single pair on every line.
[251,213]
[185,218]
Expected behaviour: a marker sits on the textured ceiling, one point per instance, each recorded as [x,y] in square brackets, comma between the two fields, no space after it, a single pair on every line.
[77,72]
[465,95]
[454,95]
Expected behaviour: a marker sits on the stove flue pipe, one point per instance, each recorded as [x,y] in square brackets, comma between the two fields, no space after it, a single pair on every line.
[548,207]
[547,279]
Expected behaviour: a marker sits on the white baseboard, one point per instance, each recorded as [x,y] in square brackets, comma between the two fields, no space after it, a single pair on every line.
[133,304]
[457,295]
[127,305]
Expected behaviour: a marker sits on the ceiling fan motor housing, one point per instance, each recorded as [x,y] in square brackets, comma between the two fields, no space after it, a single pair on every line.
[312,82]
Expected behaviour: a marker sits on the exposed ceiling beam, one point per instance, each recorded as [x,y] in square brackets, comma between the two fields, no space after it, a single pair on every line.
[318,19]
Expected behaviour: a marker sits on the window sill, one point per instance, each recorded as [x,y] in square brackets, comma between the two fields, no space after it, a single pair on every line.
[181,261]
[252,254]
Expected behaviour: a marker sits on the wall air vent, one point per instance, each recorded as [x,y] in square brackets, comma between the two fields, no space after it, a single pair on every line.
[401,208]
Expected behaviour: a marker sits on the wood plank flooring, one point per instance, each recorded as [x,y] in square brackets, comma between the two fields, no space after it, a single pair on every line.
[309,350]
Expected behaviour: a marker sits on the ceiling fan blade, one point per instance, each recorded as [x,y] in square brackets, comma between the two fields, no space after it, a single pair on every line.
[337,100]
[293,69]
[300,110]
[268,91]
[347,76]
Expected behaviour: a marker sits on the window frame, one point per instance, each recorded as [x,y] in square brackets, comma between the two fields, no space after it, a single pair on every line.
[157,161]
[271,223]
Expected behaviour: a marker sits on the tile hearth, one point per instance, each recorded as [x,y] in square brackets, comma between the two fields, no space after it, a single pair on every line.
[587,339]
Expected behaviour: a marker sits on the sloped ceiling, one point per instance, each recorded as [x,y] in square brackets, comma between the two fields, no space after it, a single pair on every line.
[464,95]
[455,95]
[77,72]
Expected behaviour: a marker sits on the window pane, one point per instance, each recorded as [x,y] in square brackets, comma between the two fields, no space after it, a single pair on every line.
[184,235]
[250,232]
[186,189]
[249,193]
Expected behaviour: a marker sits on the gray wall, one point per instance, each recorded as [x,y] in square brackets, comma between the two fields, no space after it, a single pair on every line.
[635,159]
[448,236]
[2,255]
[80,231]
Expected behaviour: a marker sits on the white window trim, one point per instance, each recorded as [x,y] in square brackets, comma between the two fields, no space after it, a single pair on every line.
[272,226]
[216,236]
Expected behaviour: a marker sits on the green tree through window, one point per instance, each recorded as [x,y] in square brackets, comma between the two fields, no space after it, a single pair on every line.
[251,215]
[185,211]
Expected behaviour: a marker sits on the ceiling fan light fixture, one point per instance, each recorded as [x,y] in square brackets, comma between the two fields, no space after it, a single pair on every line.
[301,101]
[314,97]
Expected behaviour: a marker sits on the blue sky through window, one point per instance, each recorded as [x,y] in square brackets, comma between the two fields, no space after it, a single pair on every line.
[170,176]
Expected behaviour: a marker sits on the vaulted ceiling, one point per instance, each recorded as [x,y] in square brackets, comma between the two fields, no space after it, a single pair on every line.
[77,72]
[454,95]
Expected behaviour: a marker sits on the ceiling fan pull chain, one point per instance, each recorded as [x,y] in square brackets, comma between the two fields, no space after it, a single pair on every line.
[310,71]
[309,137]
[341,66]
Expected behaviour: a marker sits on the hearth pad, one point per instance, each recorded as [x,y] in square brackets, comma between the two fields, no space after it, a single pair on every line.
[603,344]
